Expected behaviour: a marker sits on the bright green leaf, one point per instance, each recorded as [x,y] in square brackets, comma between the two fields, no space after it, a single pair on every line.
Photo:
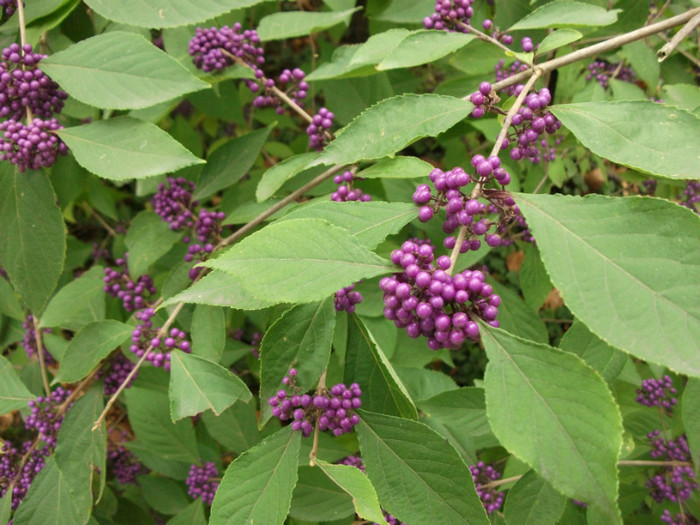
[290,24]
[594,351]
[9,304]
[164,495]
[148,239]
[423,47]
[566,13]
[533,501]
[192,515]
[13,393]
[684,96]
[406,11]
[77,303]
[534,281]
[517,317]
[235,428]
[558,39]
[277,175]
[397,168]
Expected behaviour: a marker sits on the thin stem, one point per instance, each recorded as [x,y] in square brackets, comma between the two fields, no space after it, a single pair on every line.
[499,482]
[314,449]
[651,463]
[281,204]
[483,36]
[683,52]
[99,219]
[40,352]
[683,32]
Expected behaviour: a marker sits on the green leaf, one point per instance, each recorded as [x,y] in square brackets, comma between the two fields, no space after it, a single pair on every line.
[149,415]
[355,483]
[370,222]
[366,364]
[275,177]
[556,414]
[230,162]
[406,11]
[148,239]
[77,303]
[421,383]
[620,132]
[423,47]
[9,304]
[599,355]
[642,60]
[208,332]
[290,24]
[30,221]
[393,124]
[533,501]
[534,281]
[235,428]
[558,39]
[397,168]
[317,498]
[6,507]
[604,254]
[419,477]
[683,96]
[192,515]
[124,148]
[566,13]
[197,384]
[517,317]
[297,261]
[302,339]
[220,289]
[166,13]
[118,70]
[165,495]
[13,393]
[691,419]
[257,486]
[90,345]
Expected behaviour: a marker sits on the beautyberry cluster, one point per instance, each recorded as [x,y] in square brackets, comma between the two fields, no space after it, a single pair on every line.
[116,373]
[32,146]
[691,195]
[254,343]
[9,6]
[10,471]
[426,300]
[678,519]
[145,335]
[208,229]
[450,15]
[173,202]
[527,44]
[603,71]
[291,82]
[346,299]
[657,392]
[671,483]
[44,417]
[320,124]
[332,409]
[216,49]
[484,474]
[201,482]
[29,340]
[133,294]
[346,191]
[122,463]
[491,29]
[503,73]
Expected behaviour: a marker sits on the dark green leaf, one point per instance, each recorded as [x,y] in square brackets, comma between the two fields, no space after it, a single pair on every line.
[192,515]
[517,317]
[594,351]
[148,239]
[275,177]
[123,148]
[165,495]
[423,47]
[13,393]
[317,498]
[533,501]
[77,303]
[534,281]
[235,428]
[208,332]
[9,304]
[563,13]
[289,24]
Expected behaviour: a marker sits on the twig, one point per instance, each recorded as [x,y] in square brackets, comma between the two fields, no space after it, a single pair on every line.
[651,463]
[499,482]
[317,430]
[683,32]
[99,219]
[486,38]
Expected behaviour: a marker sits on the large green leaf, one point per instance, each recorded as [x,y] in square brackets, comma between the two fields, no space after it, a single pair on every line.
[622,132]
[90,345]
[299,261]
[556,414]
[558,39]
[208,332]
[418,475]
[599,355]
[257,486]
[118,70]
[166,13]
[316,498]
[397,168]
[533,501]
[124,148]
[566,13]
[393,124]
[366,364]
[517,317]
[197,384]
[302,339]
[275,177]
[30,221]
[236,428]
[370,222]
[290,24]
[77,303]
[628,268]
[148,239]
[423,47]
[13,393]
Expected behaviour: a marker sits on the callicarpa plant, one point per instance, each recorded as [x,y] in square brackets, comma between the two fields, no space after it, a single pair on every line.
[424,262]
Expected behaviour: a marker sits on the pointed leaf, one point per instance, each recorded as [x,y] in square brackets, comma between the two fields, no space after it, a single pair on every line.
[289,24]
[275,177]
[257,486]
[620,132]
[556,414]
[236,428]
[124,148]
[316,498]
[517,317]
[563,13]
[533,501]
[558,39]
[604,255]
[300,260]
[148,239]
[90,345]
[118,70]
[599,355]
[423,47]
[197,384]
[192,515]
[30,221]
[302,339]
[393,124]
[397,168]
[77,303]
[220,289]
[13,393]
[419,477]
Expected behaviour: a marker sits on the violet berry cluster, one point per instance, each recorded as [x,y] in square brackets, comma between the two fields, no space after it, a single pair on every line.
[44,416]
[145,336]
[678,519]
[346,298]
[603,71]
[27,91]
[691,195]
[116,372]
[29,340]
[202,482]
[427,301]
[122,463]
[207,228]
[254,341]
[346,190]
[134,295]
[450,15]
[671,483]
[332,410]
[173,202]
[483,474]
[503,73]
[658,392]
[8,6]
[215,49]
[291,82]
[320,125]
[491,29]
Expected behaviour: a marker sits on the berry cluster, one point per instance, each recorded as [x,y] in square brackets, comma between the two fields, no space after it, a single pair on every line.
[201,483]
[426,300]
[207,228]
[116,373]
[658,392]
[691,195]
[10,461]
[320,124]
[254,341]
[331,409]
[483,475]
[32,146]
[216,49]
[123,463]
[502,73]
[346,191]
[133,294]
[145,335]
[9,6]
[495,33]
[346,299]
[450,15]
[678,519]
[44,416]
[671,483]
[603,71]
[173,202]
[291,82]
[527,44]
[29,340]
